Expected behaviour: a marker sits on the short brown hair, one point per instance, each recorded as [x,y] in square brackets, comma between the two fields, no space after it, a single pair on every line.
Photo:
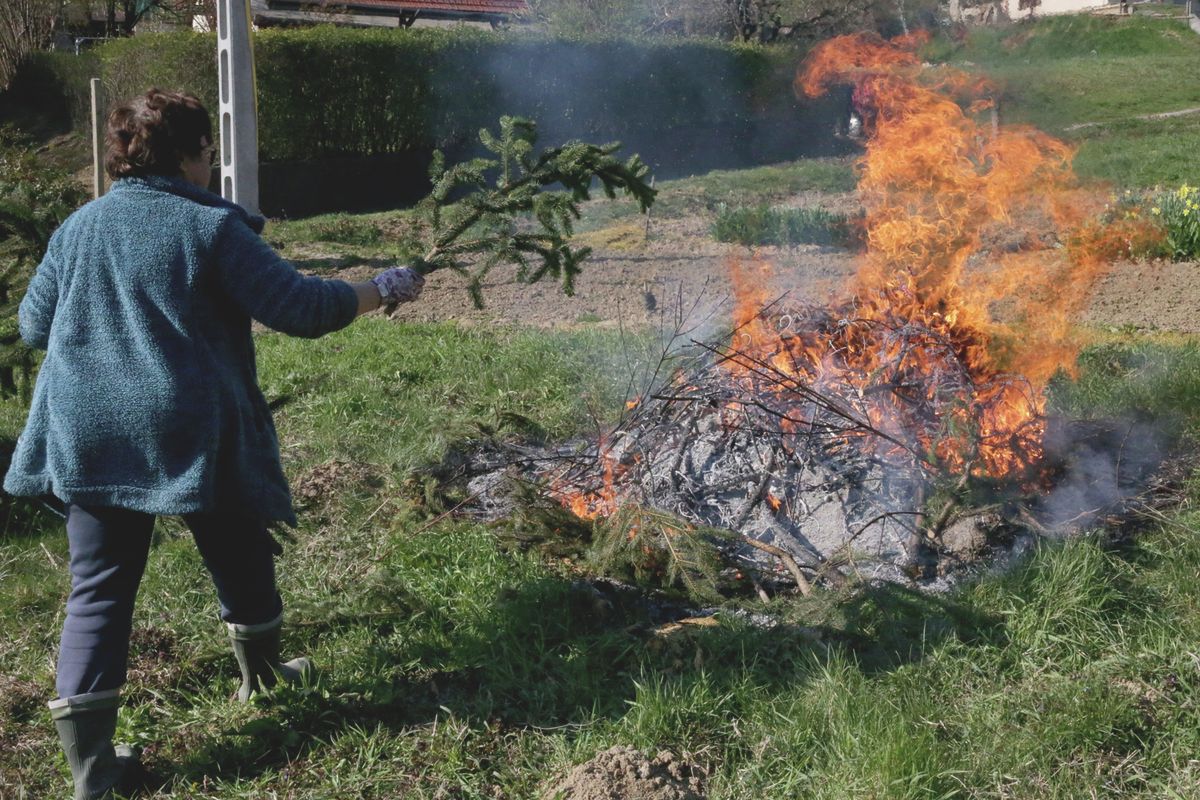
[151,134]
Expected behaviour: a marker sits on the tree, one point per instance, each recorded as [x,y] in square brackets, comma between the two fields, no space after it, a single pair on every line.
[766,21]
[588,17]
[122,16]
[25,26]
[133,11]
[1028,5]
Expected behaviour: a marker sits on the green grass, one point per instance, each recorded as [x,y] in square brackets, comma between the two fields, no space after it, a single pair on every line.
[1070,36]
[1067,71]
[349,238]
[455,667]
[1140,154]
[402,394]
[763,224]
[1083,90]
[346,229]
[363,233]
[706,193]
[1132,375]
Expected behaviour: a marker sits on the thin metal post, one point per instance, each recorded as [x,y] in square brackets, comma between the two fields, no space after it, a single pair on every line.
[238,105]
[97,140]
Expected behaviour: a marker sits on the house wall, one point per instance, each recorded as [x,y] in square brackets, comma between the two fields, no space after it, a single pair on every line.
[992,10]
[1054,7]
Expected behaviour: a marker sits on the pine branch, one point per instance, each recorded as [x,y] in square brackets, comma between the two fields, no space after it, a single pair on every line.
[490,213]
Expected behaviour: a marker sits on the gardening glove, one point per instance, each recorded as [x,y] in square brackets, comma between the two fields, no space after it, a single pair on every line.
[399,285]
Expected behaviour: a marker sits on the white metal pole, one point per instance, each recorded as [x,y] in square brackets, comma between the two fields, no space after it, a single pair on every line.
[97,139]
[238,105]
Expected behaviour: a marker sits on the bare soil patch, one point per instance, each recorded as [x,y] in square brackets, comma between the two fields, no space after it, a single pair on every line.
[623,773]
[629,280]
[1153,296]
[633,279]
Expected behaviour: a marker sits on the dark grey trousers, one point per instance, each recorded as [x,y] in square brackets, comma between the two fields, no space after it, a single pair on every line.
[109,547]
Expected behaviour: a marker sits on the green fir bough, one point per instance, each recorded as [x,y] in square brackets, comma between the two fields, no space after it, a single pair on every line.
[34,200]
[505,209]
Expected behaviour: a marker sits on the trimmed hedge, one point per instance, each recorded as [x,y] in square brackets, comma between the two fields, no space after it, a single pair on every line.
[330,91]
[333,93]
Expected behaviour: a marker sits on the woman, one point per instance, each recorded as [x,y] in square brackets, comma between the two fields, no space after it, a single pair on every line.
[147,403]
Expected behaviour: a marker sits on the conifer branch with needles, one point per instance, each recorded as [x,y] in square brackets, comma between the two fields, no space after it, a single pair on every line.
[476,215]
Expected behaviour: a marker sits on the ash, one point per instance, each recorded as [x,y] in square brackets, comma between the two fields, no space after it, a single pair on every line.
[813,490]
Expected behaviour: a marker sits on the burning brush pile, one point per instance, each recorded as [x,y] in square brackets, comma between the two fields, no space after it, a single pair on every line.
[861,436]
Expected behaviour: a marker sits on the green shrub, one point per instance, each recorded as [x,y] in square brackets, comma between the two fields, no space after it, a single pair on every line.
[34,200]
[762,224]
[55,86]
[1179,212]
[172,61]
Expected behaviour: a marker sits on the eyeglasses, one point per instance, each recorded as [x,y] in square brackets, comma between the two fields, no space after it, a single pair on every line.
[213,155]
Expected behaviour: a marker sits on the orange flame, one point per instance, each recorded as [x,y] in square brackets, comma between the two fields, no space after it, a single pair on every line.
[596,504]
[936,183]
[946,305]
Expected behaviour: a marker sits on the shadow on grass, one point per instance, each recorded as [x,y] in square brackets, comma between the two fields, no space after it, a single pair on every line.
[25,517]
[549,654]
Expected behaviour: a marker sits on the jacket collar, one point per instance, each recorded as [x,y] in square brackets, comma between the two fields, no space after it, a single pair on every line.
[181,188]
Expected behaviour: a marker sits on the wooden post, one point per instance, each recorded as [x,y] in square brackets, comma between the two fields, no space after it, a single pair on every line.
[97,140]
[647,234]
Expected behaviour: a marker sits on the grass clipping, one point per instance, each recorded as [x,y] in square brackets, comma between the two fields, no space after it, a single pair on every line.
[503,209]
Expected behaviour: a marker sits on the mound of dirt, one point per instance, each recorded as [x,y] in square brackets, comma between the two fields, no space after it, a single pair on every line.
[623,773]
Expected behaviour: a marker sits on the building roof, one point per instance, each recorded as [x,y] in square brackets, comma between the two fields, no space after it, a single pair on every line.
[443,9]
[503,7]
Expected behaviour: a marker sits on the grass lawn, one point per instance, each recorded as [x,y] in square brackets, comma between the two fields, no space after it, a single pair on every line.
[385,233]
[455,665]
[1066,71]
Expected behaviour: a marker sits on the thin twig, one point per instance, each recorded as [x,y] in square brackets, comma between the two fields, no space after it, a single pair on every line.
[789,561]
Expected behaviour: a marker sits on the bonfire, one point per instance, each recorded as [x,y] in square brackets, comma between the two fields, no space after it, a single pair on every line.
[854,437]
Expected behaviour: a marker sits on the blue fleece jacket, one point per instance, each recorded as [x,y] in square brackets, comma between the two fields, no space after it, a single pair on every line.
[148,397]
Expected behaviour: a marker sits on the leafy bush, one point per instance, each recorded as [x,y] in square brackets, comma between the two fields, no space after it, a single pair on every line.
[34,200]
[1164,225]
[173,61]
[762,224]
[54,85]
[1179,212]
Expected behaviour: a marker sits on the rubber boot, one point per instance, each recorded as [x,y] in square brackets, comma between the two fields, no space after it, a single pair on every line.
[256,648]
[86,723]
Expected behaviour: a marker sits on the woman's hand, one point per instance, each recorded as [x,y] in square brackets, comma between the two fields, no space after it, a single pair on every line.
[398,285]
